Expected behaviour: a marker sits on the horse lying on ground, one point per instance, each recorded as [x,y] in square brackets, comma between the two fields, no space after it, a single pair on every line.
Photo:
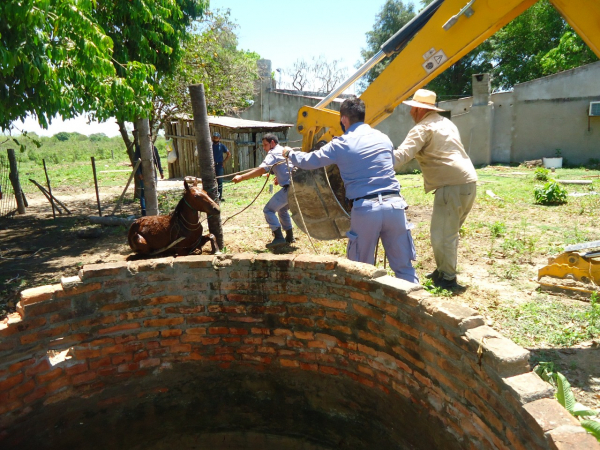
[180,232]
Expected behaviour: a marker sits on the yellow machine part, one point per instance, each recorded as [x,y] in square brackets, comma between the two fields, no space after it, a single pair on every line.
[575,266]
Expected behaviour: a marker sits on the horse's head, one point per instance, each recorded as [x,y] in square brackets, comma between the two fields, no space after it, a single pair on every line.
[198,199]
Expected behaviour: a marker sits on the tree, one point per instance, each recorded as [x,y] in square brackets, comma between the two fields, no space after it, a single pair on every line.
[318,75]
[145,35]
[211,58]
[393,16]
[571,52]
[54,59]
[62,136]
[518,48]
[537,43]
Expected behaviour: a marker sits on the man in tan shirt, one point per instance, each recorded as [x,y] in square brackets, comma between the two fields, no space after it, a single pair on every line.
[435,142]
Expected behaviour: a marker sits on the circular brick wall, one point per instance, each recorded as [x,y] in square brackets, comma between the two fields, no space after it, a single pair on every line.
[264,352]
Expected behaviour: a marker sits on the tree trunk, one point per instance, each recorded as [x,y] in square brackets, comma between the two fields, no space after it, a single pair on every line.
[14,180]
[205,157]
[148,171]
[129,145]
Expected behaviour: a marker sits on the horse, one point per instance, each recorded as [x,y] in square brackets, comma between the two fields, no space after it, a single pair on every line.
[180,232]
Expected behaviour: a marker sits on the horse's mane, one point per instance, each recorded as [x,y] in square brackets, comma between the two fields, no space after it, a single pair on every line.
[178,208]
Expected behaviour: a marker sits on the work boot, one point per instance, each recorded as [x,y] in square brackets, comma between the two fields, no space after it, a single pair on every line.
[278,240]
[289,236]
[433,275]
[450,285]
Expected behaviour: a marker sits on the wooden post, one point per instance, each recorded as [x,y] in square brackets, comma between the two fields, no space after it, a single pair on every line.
[49,188]
[14,179]
[96,185]
[148,172]
[205,156]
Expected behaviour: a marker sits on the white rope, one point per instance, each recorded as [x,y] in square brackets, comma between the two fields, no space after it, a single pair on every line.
[299,209]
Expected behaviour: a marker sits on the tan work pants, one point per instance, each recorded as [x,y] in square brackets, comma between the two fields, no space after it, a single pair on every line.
[451,206]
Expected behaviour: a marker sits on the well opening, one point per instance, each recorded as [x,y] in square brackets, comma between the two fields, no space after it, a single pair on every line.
[263,351]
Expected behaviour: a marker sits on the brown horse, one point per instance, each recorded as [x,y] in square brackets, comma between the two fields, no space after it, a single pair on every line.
[180,232]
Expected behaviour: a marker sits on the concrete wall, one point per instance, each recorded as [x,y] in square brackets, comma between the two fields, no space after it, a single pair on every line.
[552,112]
[535,119]
[529,123]
[320,350]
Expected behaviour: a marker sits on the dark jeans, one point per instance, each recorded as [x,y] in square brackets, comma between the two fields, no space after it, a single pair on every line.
[219,172]
[142,198]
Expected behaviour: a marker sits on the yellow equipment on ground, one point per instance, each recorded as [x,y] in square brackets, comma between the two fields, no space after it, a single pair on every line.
[583,267]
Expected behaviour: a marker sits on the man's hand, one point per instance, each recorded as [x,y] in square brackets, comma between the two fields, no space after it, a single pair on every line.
[275,182]
[162,176]
[286,151]
[237,179]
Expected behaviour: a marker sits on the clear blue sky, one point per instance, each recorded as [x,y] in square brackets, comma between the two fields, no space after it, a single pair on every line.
[282,31]
[285,31]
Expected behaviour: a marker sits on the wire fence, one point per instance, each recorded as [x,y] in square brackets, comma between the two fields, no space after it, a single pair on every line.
[8,202]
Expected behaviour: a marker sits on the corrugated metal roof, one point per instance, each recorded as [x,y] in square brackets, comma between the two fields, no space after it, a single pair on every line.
[235,123]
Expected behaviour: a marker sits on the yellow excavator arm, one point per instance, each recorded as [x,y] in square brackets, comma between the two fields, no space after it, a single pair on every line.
[439,36]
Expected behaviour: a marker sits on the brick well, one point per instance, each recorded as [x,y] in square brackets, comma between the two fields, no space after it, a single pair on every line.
[266,352]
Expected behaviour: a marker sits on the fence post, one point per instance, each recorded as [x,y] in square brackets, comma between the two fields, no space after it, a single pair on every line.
[49,189]
[96,185]
[14,179]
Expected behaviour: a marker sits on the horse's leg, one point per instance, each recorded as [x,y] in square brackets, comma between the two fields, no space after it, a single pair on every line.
[139,244]
[214,249]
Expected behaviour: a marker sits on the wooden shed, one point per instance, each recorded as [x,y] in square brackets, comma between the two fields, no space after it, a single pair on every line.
[242,137]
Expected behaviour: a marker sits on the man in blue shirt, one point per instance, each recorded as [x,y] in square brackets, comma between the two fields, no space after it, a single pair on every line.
[278,205]
[218,151]
[366,162]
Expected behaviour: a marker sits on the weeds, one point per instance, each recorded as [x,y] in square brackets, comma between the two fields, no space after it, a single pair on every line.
[550,193]
[434,290]
[541,174]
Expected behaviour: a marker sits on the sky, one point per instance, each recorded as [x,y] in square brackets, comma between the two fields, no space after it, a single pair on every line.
[279,30]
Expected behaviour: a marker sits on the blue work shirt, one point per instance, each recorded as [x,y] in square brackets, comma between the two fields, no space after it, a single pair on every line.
[365,159]
[218,151]
[281,171]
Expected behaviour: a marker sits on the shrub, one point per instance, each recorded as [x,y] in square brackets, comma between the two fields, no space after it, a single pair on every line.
[541,174]
[550,193]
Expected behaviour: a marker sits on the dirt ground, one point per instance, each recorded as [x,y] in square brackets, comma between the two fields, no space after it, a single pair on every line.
[36,250]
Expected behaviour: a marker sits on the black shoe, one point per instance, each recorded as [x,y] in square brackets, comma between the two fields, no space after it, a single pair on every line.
[433,275]
[450,285]
[278,239]
[289,236]
[221,199]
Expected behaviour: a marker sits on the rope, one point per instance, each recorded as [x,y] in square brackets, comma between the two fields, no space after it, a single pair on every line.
[257,195]
[300,210]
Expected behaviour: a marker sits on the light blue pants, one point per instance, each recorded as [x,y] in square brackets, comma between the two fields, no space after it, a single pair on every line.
[278,205]
[372,219]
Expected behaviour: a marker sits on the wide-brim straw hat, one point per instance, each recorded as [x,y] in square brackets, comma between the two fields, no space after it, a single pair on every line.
[423,99]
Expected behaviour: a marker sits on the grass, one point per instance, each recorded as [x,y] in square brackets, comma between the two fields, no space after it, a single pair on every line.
[68,162]
[502,243]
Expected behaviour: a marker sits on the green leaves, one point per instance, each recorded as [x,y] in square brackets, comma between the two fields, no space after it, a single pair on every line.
[68,57]
[593,427]
[564,396]
[537,43]
[551,193]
